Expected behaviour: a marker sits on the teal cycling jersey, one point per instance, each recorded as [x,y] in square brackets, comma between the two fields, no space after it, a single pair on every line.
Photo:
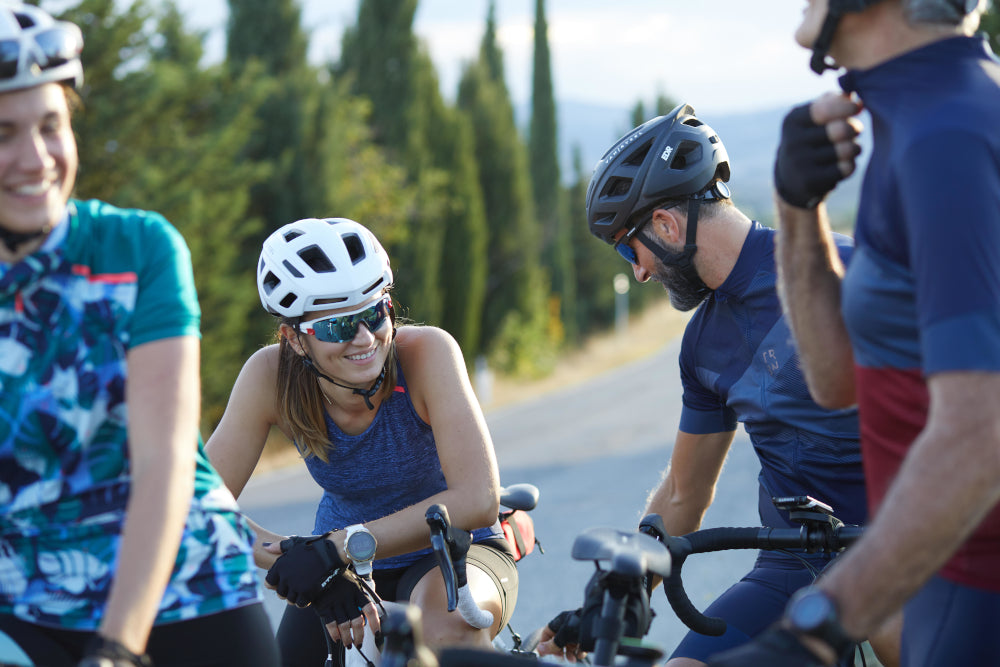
[105,281]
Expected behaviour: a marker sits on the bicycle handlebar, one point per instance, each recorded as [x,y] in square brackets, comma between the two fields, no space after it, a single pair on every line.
[450,553]
[827,538]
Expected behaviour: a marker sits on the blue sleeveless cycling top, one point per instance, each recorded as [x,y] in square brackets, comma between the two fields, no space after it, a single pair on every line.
[739,364]
[392,465]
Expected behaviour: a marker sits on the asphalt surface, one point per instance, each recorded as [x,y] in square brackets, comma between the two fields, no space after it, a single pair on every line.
[595,451]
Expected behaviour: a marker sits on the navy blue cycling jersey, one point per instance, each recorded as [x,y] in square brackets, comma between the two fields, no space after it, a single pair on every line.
[922,295]
[739,364]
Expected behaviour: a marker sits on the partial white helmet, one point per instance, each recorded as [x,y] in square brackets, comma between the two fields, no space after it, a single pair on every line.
[315,264]
[36,49]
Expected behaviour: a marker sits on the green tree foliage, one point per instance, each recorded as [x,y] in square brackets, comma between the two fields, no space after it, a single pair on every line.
[596,262]
[517,327]
[264,36]
[167,136]
[442,254]
[550,207]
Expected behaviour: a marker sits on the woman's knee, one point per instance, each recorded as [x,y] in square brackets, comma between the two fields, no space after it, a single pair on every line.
[444,628]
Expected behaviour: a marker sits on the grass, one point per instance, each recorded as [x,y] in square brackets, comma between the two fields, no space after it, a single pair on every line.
[645,334]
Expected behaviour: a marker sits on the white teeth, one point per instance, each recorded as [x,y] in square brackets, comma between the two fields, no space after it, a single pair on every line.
[361,357]
[33,188]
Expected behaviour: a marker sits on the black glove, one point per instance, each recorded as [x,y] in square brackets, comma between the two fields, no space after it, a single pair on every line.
[775,647]
[305,568]
[565,627]
[343,598]
[805,169]
[103,652]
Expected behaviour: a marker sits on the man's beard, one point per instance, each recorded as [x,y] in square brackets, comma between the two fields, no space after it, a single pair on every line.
[686,293]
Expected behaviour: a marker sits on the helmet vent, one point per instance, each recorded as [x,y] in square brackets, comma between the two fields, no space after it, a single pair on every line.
[316,259]
[332,301]
[355,248]
[288,300]
[688,152]
[616,187]
[292,235]
[270,281]
[291,269]
[373,286]
[638,156]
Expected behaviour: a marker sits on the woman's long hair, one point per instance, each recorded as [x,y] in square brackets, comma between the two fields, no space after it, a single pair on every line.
[301,401]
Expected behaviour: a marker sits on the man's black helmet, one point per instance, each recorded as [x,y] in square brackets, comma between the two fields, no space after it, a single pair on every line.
[675,156]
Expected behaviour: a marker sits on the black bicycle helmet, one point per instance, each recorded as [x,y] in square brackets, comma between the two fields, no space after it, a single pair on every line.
[837,8]
[675,156]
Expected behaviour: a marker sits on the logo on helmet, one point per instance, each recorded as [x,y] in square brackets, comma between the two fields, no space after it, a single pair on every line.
[665,155]
[620,147]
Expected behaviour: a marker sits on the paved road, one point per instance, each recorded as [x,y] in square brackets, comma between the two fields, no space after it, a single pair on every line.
[594,450]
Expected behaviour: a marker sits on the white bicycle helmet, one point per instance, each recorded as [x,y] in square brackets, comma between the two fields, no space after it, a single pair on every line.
[315,264]
[37,49]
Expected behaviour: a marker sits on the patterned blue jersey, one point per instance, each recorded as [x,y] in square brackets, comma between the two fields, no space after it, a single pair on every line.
[106,280]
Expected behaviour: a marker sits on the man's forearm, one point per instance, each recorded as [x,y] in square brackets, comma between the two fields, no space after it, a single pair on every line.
[944,489]
[809,278]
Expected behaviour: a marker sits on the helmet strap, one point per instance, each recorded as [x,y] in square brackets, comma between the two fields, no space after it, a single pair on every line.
[685,262]
[836,9]
[366,394]
[15,239]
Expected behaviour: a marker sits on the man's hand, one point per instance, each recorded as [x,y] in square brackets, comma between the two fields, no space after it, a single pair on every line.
[775,647]
[305,568]
[818,149]
[561,637]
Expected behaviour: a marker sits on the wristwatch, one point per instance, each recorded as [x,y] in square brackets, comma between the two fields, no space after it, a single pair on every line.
[360,547]
[812,612]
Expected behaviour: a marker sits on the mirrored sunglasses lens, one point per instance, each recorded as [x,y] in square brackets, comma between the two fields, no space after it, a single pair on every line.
[626,252]
[345,328]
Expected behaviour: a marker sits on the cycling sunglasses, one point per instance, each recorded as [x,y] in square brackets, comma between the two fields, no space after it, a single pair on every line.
[343,328]
[50,48]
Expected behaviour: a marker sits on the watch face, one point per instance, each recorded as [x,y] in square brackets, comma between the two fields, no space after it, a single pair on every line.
[361,546]
[811,611]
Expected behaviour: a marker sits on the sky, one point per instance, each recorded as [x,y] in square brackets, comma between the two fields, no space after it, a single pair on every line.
[720,56]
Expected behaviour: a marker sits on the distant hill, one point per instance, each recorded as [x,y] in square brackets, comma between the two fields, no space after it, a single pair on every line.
[750,138]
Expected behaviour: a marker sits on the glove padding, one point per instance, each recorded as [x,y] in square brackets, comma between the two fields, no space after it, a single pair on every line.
[305,568]
[775,647]
[343,598]
[805,170]
[565,627]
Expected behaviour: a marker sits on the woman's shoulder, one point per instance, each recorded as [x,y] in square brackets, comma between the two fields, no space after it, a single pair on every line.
[425,347]
[424,339]
[263,362]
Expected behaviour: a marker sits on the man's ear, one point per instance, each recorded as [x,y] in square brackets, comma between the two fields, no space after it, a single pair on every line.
[669,225]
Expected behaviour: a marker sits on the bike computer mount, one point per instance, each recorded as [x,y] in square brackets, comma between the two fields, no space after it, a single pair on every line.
[807,510]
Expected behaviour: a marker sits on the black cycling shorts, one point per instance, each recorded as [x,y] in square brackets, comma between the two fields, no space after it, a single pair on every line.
[302,637]
[239,637]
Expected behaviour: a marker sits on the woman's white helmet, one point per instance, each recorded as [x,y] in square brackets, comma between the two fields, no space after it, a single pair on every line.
[316,264]
[36,49]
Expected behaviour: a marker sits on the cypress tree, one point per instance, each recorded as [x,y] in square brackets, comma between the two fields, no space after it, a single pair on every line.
[516,323]
[550,209]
